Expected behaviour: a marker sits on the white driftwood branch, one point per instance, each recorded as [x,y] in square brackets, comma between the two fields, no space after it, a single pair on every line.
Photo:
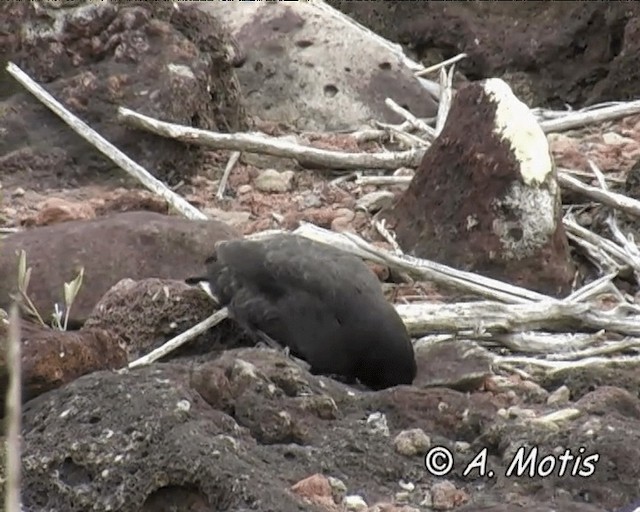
[444,63]
[13,414]
[260,143]
[613,199]
[487,317]
[553,366]
[105,147]
[413,120]
[492,317]
[579,119]
[425,269]
[544,343]
[181,339]
[233,160]
[446,97]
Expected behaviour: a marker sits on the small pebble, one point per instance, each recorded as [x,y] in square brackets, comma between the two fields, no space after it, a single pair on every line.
[412,442]
[271,180]
[462,446]
[355,502]
[560,396]
[377,423]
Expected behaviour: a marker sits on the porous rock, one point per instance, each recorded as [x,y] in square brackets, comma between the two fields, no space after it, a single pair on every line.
[289,79]
[51,358]
[552,53]
[236,432]
[149,312]
[485,197]
[134,245]
[607,433]
[128,442]
[452,364]
[170,62]
[55,209]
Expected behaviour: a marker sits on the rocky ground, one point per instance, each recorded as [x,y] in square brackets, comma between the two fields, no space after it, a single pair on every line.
[222,426]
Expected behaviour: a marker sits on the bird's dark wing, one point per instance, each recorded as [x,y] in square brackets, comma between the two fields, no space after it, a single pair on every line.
[318,268]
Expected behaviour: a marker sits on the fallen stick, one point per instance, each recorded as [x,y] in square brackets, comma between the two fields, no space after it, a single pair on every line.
[579,119]
[544,343]
[233,160]
[424,269]
[613,199]
[13,414]
[444,63]
[260,143]
[105,147]
[181,339]
[491,317]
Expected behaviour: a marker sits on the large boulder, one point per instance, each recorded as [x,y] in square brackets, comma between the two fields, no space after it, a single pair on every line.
[237,432]
[169,61]
[551,53]
[51,358]
[309,69]
[134,245]
[485,197]
[147,313]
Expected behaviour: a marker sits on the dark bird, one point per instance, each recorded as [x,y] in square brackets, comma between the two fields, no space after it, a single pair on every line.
[325,305]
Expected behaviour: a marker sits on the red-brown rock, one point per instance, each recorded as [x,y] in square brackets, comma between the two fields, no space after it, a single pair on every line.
[485,197]
[134,245]
[52,358]
[168,61]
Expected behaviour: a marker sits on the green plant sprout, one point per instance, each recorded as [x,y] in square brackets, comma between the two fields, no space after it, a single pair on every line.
[71,290]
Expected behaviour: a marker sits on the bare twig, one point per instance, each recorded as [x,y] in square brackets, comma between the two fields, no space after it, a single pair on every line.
[578,119]
[608,246]
[444,63]
[446,97]
[233,160]
[613,199]
[105,147]
[432,318]
[413,120]
[13,413]
[181,339]
[260,143]
[544,343]
[425,269]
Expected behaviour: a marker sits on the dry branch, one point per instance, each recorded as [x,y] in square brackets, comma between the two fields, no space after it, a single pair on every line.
[181,339]
[413,120]
[233,160]
[544,343]
[260,143]
[579,119]
[491,317]
[424,269]
[13,414]
[612,199]
[105,147]
[444,63]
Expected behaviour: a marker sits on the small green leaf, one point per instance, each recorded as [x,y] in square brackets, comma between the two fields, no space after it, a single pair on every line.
[22,267]
[72,288]
[27,280]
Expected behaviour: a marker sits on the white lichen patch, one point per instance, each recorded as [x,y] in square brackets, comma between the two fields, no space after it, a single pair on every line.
[525,219]
[517,125]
